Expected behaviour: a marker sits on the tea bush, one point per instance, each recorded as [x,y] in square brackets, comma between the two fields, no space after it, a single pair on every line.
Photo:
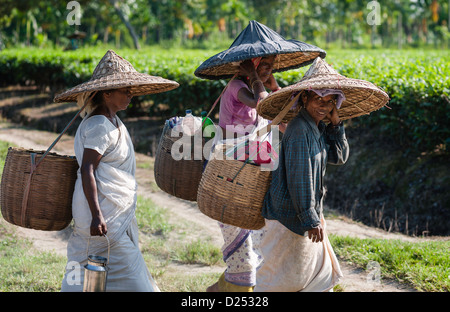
[417,82]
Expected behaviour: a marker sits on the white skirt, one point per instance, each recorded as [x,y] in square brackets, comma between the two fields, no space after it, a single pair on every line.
[294,263]
[127,270]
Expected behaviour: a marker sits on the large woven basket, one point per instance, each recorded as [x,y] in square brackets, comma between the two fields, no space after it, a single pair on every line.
[179,178]
[49,204]
[232,192]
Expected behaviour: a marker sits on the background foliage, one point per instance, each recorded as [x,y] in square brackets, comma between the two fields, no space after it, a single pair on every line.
[200,23]
[417,82]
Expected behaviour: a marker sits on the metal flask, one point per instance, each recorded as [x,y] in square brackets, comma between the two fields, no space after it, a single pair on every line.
[95,272]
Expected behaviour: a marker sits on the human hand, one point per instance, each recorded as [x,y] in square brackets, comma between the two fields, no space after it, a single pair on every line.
[282,127]
[272,84]
[247,68]
[316,234]
[98,226]
[333,116]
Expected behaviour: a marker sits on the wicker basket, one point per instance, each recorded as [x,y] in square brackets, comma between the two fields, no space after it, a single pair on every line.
[49,204]
[179,178]
[232,192]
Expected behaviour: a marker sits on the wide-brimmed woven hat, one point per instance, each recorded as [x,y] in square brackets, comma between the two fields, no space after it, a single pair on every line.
[361,97]
[258,40]
[114,72]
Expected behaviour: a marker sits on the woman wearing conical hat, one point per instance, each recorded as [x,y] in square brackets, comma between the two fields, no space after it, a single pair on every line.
[237,117]
[104,199]
[297,253]
[251,60]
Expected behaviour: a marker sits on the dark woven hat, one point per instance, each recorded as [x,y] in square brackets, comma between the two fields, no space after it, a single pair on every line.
[258,40]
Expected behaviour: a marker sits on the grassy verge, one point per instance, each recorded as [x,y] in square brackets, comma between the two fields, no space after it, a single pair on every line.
[173,261]
[25,269]
[3,151]
[424,265]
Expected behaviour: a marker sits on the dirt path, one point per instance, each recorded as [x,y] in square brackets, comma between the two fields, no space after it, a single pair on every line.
[355,280]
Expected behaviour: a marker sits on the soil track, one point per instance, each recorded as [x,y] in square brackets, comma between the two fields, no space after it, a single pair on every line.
[355,279]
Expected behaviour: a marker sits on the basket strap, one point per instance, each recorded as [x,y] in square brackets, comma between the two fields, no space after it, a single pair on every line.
[217,100]
[34,165]
[67,127]
[278,118]
[27,190]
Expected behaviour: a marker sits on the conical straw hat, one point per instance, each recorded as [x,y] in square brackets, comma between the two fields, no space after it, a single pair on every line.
[361,97]
[258,40]
[114,72]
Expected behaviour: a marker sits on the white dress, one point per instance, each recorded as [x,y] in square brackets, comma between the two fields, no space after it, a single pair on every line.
[117,197]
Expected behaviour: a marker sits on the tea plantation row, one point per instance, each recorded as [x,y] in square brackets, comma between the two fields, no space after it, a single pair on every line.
[417,82]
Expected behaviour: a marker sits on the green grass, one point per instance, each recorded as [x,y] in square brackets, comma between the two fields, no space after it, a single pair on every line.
[151,218]
[198,252]
[188,282]
[23,269]
[3,151]
[424,265]
[163,250]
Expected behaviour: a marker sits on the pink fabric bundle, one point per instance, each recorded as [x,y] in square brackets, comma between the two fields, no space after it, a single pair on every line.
[257,152]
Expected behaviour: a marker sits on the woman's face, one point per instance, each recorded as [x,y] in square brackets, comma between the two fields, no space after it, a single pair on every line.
[318,107]
[118,99]
[265,67]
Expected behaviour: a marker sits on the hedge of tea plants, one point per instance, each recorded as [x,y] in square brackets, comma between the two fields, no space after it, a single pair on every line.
[417,82]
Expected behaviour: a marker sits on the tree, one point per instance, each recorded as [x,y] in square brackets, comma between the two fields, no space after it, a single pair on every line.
[124,18]
[321,22]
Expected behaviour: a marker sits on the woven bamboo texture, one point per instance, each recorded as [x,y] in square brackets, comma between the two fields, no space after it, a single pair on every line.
[49,206]
[283,62]
[361,97]
[114,72]
[179,178]
[258,40]
[232,192]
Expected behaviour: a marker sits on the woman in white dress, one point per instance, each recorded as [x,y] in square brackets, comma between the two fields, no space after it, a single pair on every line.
[104,199]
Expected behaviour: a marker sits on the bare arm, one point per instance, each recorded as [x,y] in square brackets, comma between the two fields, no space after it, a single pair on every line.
[247,97]
[91,159]
[338,152]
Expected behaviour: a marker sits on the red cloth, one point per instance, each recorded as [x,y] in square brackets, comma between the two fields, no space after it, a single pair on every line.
[258,152]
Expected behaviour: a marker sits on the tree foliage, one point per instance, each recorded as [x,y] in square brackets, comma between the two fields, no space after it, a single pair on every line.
[132,23]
